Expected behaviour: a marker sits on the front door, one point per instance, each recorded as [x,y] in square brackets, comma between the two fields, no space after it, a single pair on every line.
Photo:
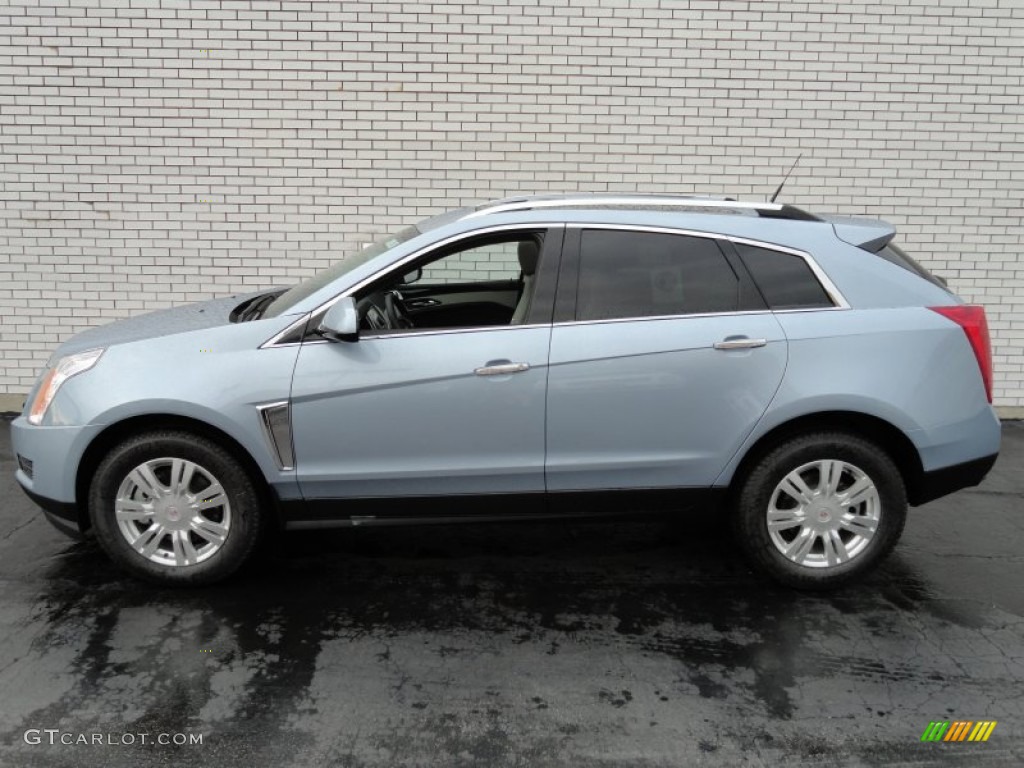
[416,410]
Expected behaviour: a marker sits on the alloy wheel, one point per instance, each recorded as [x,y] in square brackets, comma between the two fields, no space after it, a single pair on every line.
[823,513]
[173,512]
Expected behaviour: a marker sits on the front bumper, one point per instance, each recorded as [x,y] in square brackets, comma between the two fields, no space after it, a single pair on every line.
[60,514]
[55,454]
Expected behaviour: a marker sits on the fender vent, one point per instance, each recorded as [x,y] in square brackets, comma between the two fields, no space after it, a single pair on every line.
[276,419]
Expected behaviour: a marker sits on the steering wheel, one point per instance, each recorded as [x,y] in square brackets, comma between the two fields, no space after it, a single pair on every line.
[394,307]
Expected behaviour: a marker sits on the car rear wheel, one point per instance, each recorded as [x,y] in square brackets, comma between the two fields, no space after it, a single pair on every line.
[175,508]
[820,510]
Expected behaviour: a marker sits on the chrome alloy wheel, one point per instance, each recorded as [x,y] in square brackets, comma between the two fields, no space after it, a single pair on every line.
[824,513]
[173,512]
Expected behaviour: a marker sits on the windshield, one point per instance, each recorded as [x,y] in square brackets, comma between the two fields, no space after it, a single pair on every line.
[297,293]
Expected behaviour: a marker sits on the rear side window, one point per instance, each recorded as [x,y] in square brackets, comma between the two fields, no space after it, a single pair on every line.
[785,279]
[896,255]
[647,274]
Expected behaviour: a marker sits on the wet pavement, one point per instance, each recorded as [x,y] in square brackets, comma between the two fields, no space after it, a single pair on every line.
[644,642]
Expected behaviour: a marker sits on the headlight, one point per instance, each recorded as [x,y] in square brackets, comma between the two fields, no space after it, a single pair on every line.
[65,368]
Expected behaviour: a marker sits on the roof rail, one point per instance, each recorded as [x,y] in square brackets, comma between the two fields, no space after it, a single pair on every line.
[768,210]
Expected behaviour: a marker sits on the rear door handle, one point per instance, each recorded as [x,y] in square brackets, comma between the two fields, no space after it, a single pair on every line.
[740,342]
[499,368]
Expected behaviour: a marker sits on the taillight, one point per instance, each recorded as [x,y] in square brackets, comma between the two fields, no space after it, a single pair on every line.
[972,320]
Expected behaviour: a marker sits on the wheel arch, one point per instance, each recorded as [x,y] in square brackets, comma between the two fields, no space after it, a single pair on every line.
[114,433]
[888,436]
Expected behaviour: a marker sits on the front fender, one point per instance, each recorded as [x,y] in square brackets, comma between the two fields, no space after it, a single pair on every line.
[216,377]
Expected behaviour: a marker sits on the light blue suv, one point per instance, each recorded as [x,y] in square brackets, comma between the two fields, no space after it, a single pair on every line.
[528,357]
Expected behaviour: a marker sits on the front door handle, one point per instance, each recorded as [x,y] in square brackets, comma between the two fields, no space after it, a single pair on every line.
[501,368]
[740,342]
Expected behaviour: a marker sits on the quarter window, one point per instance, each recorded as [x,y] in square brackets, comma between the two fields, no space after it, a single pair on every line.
[785,279]
[647,274]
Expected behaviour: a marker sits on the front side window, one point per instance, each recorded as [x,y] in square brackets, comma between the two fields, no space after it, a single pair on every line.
[785,279]
[483,263]
[625,274]
[485,281]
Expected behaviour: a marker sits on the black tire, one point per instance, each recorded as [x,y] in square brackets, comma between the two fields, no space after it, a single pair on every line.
[756,488]
[247,516]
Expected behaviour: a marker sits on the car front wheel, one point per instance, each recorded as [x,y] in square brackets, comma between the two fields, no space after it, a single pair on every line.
[175,508]
[820,510]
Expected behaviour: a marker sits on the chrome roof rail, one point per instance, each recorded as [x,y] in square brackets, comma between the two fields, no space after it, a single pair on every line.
[770,210]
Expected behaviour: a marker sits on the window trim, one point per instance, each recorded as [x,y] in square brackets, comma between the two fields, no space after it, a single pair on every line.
[829,297]
[654,318]
[554,231]
[568,267]
[566,304]
[835,295]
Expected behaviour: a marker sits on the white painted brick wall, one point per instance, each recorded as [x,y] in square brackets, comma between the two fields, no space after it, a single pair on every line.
[485,262]
[153,153]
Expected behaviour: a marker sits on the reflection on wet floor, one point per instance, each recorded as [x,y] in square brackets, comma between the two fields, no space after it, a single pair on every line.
[645,642]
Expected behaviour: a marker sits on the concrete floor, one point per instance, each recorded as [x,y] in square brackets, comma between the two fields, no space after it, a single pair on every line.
[643,642]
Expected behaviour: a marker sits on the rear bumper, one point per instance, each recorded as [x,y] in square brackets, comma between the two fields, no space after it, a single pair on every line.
[964,441]
[944,481]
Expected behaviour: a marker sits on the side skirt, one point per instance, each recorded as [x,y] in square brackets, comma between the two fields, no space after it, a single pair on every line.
[498,507]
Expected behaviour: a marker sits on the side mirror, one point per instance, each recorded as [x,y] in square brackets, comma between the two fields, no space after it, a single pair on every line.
[412,277]
[341,323]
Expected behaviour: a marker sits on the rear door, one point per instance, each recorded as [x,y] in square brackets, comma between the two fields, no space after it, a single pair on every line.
[663,359]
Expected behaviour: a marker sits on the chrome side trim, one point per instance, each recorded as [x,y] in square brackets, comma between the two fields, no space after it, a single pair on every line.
[798,310]
[655,318]
[564,323]
[436,332]
[276,420]
[448,331]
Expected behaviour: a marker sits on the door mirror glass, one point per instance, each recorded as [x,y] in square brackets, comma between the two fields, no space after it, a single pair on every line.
[341,323]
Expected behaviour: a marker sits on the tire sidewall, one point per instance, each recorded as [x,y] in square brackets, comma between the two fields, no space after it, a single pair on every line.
[245,506]
[755,496]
